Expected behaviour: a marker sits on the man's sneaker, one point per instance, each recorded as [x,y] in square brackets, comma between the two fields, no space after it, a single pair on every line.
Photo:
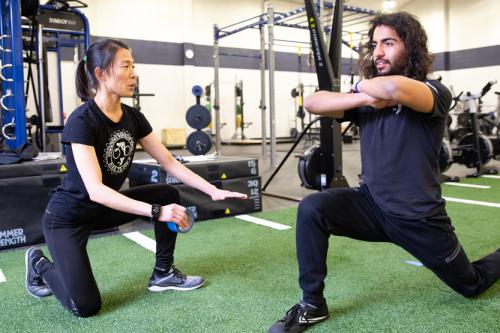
[173,280]
[34,283]
[299,318]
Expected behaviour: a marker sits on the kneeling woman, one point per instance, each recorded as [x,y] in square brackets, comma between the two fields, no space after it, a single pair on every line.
[100,137]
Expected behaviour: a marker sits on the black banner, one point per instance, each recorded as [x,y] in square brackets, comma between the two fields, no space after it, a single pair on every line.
[22,204]
[61,20]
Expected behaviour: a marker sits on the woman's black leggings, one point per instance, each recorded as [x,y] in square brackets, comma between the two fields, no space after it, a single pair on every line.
[70,276]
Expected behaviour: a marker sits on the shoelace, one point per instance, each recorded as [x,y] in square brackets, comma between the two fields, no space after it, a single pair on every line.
[178,273]
[295,311]
[37,281]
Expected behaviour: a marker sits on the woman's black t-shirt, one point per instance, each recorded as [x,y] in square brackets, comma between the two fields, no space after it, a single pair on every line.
[114,144]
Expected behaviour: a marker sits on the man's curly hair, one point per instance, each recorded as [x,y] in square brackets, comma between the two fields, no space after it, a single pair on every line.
[411,32]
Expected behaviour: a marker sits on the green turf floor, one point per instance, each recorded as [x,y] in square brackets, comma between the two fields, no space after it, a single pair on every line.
[251,275]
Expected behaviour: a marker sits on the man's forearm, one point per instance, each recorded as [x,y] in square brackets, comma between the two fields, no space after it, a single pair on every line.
[382,87]
[399,90]
[327,103]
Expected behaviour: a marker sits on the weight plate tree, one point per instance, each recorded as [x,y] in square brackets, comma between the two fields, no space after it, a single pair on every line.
[198,117]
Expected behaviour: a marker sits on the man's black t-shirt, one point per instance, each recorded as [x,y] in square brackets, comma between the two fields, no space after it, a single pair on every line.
[114,144]
[399,155]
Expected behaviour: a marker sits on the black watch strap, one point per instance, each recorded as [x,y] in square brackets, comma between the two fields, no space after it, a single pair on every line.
[155,212]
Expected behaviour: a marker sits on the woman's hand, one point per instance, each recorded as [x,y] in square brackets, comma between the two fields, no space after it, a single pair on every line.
[174,213]
[223,194]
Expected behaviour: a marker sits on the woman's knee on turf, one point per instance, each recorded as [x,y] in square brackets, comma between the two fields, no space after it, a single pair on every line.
[86,307]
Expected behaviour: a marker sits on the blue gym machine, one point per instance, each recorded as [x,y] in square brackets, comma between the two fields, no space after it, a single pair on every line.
[55,25]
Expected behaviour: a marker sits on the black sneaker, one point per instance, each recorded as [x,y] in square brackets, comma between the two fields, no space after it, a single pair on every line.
[299,318]
[173,280]
[34,283]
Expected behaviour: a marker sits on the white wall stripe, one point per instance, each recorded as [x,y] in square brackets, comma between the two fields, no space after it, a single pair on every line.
[466,185]
[142,240]
[263,222]
[2,277]
[491,176]
[473,202]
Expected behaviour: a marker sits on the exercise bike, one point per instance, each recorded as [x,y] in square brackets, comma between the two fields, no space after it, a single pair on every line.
[474,149]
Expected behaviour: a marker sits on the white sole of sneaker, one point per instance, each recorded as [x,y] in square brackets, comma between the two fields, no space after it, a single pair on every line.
[159,288]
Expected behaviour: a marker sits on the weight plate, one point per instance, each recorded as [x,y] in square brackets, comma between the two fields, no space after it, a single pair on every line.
[309,168]
[198,116]
[199,143]
[197,91]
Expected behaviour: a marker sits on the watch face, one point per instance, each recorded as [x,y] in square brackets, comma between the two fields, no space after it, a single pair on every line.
[155,211]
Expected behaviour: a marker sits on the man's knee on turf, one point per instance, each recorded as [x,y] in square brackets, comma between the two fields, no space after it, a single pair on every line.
[467,292]
[466,286]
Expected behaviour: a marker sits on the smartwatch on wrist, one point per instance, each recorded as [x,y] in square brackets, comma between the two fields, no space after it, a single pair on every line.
[155,212]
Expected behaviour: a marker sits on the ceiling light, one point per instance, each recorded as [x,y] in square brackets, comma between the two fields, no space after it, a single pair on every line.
[388,4]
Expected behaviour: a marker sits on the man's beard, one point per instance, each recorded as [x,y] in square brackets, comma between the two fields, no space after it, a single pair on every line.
[395,68]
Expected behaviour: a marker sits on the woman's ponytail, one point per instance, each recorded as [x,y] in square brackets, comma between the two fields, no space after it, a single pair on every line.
[82,82]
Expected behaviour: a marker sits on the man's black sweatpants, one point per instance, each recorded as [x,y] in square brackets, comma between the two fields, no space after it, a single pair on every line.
[352,212]
[70,276]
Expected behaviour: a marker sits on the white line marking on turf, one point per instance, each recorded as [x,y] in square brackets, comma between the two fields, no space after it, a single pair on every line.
[491,176]
[414,263]
[466,185]
[142,240]
[263,222]
[473,202]
[2,277]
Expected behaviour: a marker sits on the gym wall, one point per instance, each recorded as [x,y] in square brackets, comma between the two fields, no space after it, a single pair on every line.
[159,31]
[465,35]
[192,22]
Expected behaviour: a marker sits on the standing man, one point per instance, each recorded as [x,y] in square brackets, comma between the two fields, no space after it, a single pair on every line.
[401,116]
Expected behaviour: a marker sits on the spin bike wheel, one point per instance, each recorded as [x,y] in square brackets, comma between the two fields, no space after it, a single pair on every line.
[469,155]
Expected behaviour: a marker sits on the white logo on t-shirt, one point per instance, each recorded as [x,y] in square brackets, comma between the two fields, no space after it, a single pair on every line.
[118,152]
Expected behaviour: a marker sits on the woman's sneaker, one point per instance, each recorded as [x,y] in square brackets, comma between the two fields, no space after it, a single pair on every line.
[301,316]
[173,279]
[34,283]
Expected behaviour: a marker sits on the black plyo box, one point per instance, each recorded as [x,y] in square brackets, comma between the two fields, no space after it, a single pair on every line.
[228,173]
[204,208]
[33,168]
[24,193]
[219,168]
